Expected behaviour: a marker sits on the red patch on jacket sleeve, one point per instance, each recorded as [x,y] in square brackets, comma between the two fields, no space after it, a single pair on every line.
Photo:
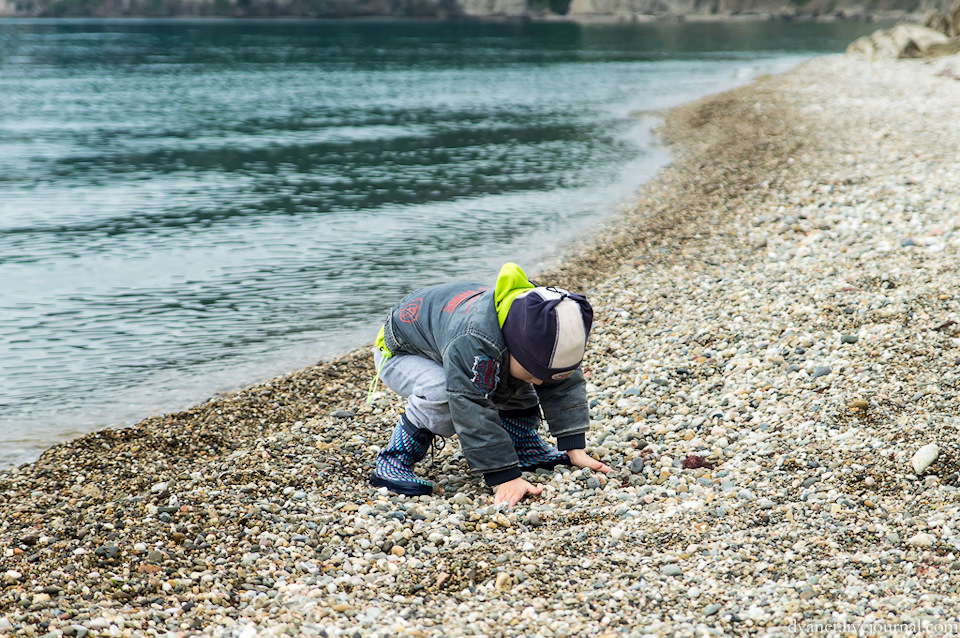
[410,312]
[486,373]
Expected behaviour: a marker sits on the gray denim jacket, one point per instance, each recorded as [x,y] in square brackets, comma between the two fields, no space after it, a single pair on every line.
[456,325]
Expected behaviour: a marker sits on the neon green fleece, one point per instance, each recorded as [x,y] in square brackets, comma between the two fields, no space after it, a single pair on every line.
[511,283]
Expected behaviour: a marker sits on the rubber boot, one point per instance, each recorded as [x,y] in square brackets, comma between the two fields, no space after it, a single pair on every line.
[407,446]
[533,452]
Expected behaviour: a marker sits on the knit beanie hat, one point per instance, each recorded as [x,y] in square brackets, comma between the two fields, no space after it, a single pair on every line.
[546,331]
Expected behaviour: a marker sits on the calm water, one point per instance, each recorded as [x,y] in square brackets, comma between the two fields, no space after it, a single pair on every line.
[186,207]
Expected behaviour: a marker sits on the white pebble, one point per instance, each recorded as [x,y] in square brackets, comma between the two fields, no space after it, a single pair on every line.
[922,539]
[924,457]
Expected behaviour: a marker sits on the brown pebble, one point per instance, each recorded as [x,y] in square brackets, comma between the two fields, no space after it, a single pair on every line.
[694,462]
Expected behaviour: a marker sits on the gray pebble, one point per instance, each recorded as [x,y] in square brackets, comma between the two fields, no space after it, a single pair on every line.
[671,570]
[821,371]
[107,551]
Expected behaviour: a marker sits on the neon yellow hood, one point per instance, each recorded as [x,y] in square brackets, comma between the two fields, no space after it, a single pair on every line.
[511,283]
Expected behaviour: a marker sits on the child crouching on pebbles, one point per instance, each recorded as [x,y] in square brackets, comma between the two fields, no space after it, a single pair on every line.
[482,363]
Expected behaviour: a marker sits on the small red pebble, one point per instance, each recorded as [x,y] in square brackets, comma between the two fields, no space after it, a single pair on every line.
[693,462]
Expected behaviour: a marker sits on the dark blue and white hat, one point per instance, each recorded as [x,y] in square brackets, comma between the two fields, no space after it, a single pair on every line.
[546,331]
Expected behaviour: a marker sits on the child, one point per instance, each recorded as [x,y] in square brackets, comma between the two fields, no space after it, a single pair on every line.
[481,364]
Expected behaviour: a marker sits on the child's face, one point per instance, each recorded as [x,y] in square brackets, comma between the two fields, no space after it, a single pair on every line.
[517,371]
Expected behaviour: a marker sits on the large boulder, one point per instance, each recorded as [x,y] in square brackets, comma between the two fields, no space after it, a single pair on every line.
[902,41]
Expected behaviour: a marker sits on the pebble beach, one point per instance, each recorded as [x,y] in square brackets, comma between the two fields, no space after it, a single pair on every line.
[773,376]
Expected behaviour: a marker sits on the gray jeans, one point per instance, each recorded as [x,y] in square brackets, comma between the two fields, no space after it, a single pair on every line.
[423,384]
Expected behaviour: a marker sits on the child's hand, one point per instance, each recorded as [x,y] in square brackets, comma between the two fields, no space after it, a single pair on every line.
[512,491]
[582,459]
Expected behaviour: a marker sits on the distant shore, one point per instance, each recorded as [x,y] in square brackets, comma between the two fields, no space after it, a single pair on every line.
[776,351]
[598,19]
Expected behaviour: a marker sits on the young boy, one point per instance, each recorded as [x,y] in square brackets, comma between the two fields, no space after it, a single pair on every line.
[481,363]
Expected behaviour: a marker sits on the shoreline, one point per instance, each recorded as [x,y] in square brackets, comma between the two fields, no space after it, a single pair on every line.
[779,301]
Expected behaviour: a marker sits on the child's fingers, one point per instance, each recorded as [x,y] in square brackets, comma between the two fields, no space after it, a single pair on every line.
[599,466]
[512,491]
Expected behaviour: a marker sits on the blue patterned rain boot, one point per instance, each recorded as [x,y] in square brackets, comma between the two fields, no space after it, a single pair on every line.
[533,452]
[408,445]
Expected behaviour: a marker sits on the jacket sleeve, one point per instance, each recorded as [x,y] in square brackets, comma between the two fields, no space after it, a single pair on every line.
[565,409]
[472,369]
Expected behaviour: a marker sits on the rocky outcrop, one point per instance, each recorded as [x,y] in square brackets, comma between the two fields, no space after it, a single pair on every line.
[581,10]
[902,41]
[940,35]
[645,9]
[948,23]
[268,8]
[953,24]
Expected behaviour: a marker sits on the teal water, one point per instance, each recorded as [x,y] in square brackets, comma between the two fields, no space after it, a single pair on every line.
[189,206]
